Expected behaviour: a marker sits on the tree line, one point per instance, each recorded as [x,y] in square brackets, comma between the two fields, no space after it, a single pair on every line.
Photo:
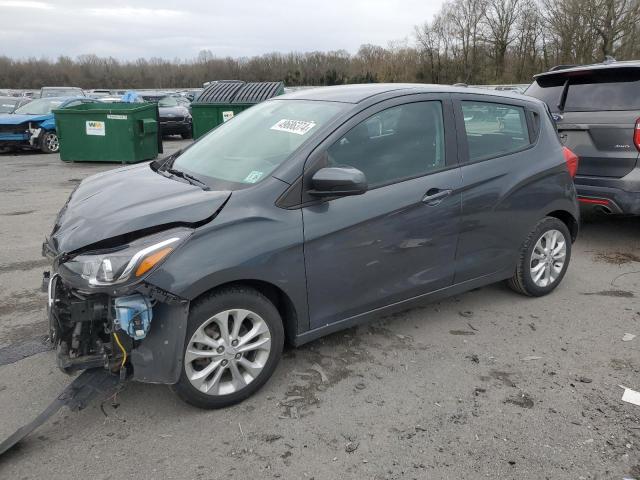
[470,41]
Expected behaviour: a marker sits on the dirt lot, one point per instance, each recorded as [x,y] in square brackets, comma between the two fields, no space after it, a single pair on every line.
[485,385]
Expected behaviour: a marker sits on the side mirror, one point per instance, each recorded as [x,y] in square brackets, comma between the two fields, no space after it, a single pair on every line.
[338,182]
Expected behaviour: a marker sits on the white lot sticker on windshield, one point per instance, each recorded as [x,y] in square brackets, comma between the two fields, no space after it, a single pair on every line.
[253,177]
[299,127]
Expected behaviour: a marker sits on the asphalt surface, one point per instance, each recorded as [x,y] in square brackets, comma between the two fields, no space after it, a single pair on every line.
[487,384]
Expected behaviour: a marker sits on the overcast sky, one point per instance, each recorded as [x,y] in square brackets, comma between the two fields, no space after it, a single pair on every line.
[146,28]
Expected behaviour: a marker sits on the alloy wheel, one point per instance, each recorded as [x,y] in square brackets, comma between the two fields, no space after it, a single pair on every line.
[227,352]
[548,258]
[51,142]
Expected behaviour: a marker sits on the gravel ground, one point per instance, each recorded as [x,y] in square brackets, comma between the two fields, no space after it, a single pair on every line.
[487,384]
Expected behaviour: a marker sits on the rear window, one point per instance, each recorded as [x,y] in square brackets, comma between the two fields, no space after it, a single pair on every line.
[590,91]
[494,129]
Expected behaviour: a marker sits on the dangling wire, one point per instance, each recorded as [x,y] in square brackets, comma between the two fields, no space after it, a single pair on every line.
[124,352]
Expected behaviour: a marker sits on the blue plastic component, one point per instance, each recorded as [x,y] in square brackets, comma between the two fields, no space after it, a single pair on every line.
[134,315]
[130,97]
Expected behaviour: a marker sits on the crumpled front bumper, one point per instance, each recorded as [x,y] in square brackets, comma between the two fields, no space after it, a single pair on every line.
[21,135]
[157,358]
[14,140]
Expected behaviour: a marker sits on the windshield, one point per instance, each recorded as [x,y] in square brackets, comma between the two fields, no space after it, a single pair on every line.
[7,105]
[250,146]
[42,106]
[167,102]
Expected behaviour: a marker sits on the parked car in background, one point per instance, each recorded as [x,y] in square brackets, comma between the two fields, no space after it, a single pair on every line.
[511,88]
[98,93]
[33,125]
[190,94]
[597,111]
[306,214]
[46,92]
[182,100]
[9,104]
[110,99]
[175,118]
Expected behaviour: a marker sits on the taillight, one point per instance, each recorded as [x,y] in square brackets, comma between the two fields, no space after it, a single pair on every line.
[636,134]
[572,159]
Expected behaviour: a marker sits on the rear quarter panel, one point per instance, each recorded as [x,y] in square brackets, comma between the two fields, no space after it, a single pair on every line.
[504,197]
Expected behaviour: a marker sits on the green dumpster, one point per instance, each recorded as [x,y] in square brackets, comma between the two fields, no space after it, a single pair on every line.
[108,132]
[224,99]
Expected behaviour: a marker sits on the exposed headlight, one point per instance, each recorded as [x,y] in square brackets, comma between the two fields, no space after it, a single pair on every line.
[128,262]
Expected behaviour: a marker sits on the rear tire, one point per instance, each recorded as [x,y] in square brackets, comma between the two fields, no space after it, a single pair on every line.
[221,368]
[544,259]
[187,135]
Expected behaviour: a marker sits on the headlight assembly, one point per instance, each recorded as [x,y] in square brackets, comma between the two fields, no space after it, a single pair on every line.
[103,268]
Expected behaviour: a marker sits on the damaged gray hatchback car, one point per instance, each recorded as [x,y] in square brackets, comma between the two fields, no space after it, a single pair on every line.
[302,216]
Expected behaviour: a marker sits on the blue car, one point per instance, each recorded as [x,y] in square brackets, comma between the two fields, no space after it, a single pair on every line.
[33,125]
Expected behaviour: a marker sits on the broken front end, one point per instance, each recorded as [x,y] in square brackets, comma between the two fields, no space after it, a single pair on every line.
[102,312]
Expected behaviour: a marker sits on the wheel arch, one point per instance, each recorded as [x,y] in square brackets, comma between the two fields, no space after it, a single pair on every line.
[569,220]
[277,296]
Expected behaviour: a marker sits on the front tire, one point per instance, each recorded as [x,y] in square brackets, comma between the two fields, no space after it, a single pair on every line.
[50,143]
[544,258]
[233,344]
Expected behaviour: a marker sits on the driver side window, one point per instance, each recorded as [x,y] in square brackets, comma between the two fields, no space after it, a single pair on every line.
[401,142]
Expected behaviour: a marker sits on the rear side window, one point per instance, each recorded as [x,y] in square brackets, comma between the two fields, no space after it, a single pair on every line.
[494,129]
[401,142]
[591,91]
[549,94]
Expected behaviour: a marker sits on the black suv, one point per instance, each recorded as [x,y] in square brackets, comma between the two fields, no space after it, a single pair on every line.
[597,111]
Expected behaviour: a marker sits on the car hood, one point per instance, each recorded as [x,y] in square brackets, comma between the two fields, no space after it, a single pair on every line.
[129,200]
[177,111]
[15,119]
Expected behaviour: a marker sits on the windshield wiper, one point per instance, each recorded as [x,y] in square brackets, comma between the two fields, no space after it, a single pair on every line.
[563,96]
[189,178]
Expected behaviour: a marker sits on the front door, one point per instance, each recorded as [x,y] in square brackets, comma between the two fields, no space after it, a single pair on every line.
[398,240]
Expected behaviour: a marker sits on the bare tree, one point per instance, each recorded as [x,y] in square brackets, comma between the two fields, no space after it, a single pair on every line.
[500,17]
[474,41]
[528,51]
[611,19]
[466,17]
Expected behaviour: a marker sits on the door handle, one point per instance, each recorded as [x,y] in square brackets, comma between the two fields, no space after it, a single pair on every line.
[435,195]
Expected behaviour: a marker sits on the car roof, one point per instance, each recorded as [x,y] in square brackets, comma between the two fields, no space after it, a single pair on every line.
[64,99]
[360,92]
[61,88]
[628,64]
